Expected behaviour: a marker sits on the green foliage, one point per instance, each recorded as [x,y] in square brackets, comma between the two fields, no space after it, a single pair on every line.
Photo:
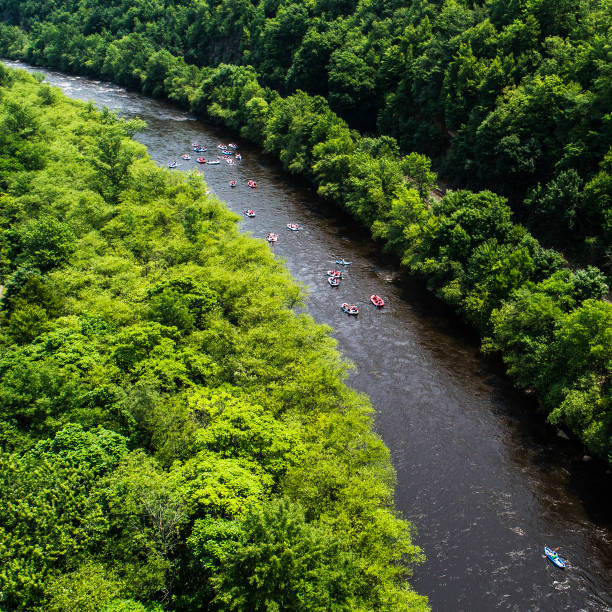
[418,168]
[50,515]
[156,388]
[514,102]
[113,316]
[44,243]
[111,159]
[512,94]
[283,562]
[89,588]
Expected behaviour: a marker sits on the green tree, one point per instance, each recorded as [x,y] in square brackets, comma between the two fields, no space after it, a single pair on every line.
[44,243]
[283,562]
[111,161]
[89,588]
[418,168]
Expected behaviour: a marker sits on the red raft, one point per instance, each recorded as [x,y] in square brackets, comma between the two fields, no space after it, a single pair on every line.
[377,300]
[201,160]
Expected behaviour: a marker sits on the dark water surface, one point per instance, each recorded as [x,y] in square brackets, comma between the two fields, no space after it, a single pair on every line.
[485,483]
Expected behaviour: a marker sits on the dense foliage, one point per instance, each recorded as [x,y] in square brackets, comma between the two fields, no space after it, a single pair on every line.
[509,95]
[173,434]
[529,307]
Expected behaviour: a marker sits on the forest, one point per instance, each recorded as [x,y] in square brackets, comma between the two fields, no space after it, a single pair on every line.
[523,87]
[512,96]
[175,434]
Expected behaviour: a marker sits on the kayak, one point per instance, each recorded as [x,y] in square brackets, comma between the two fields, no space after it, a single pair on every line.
[343,262]
[334,281]
[250,212]
[294,227]
[272,237]
[377,300]
[350,309]
[554,557]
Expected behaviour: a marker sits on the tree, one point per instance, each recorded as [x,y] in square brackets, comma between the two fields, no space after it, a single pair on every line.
[310,61]
[555,209]
[44,243]
[239,429]
[578,364]
[89,588]
[146,514]
[111,162]
[352,86]
[50,515]
[170,309]
[285,563]
[418,169]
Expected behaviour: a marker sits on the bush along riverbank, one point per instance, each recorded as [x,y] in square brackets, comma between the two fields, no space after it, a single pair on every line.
[174,436]
[547,322]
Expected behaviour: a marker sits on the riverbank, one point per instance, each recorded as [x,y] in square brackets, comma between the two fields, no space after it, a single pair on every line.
[524,302]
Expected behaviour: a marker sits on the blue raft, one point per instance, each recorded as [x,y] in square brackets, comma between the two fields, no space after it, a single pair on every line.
[554,557]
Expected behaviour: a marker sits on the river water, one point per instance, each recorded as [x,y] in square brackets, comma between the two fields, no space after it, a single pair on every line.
[485,483]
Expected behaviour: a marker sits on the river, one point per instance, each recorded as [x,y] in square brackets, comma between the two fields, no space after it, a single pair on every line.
[483,480]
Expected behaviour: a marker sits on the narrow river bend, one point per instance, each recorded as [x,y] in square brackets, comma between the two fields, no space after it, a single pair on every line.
[485,483]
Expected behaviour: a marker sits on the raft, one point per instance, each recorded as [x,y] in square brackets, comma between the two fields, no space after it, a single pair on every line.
[350,309]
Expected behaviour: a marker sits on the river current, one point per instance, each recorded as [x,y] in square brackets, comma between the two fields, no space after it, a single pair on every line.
[486,484]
